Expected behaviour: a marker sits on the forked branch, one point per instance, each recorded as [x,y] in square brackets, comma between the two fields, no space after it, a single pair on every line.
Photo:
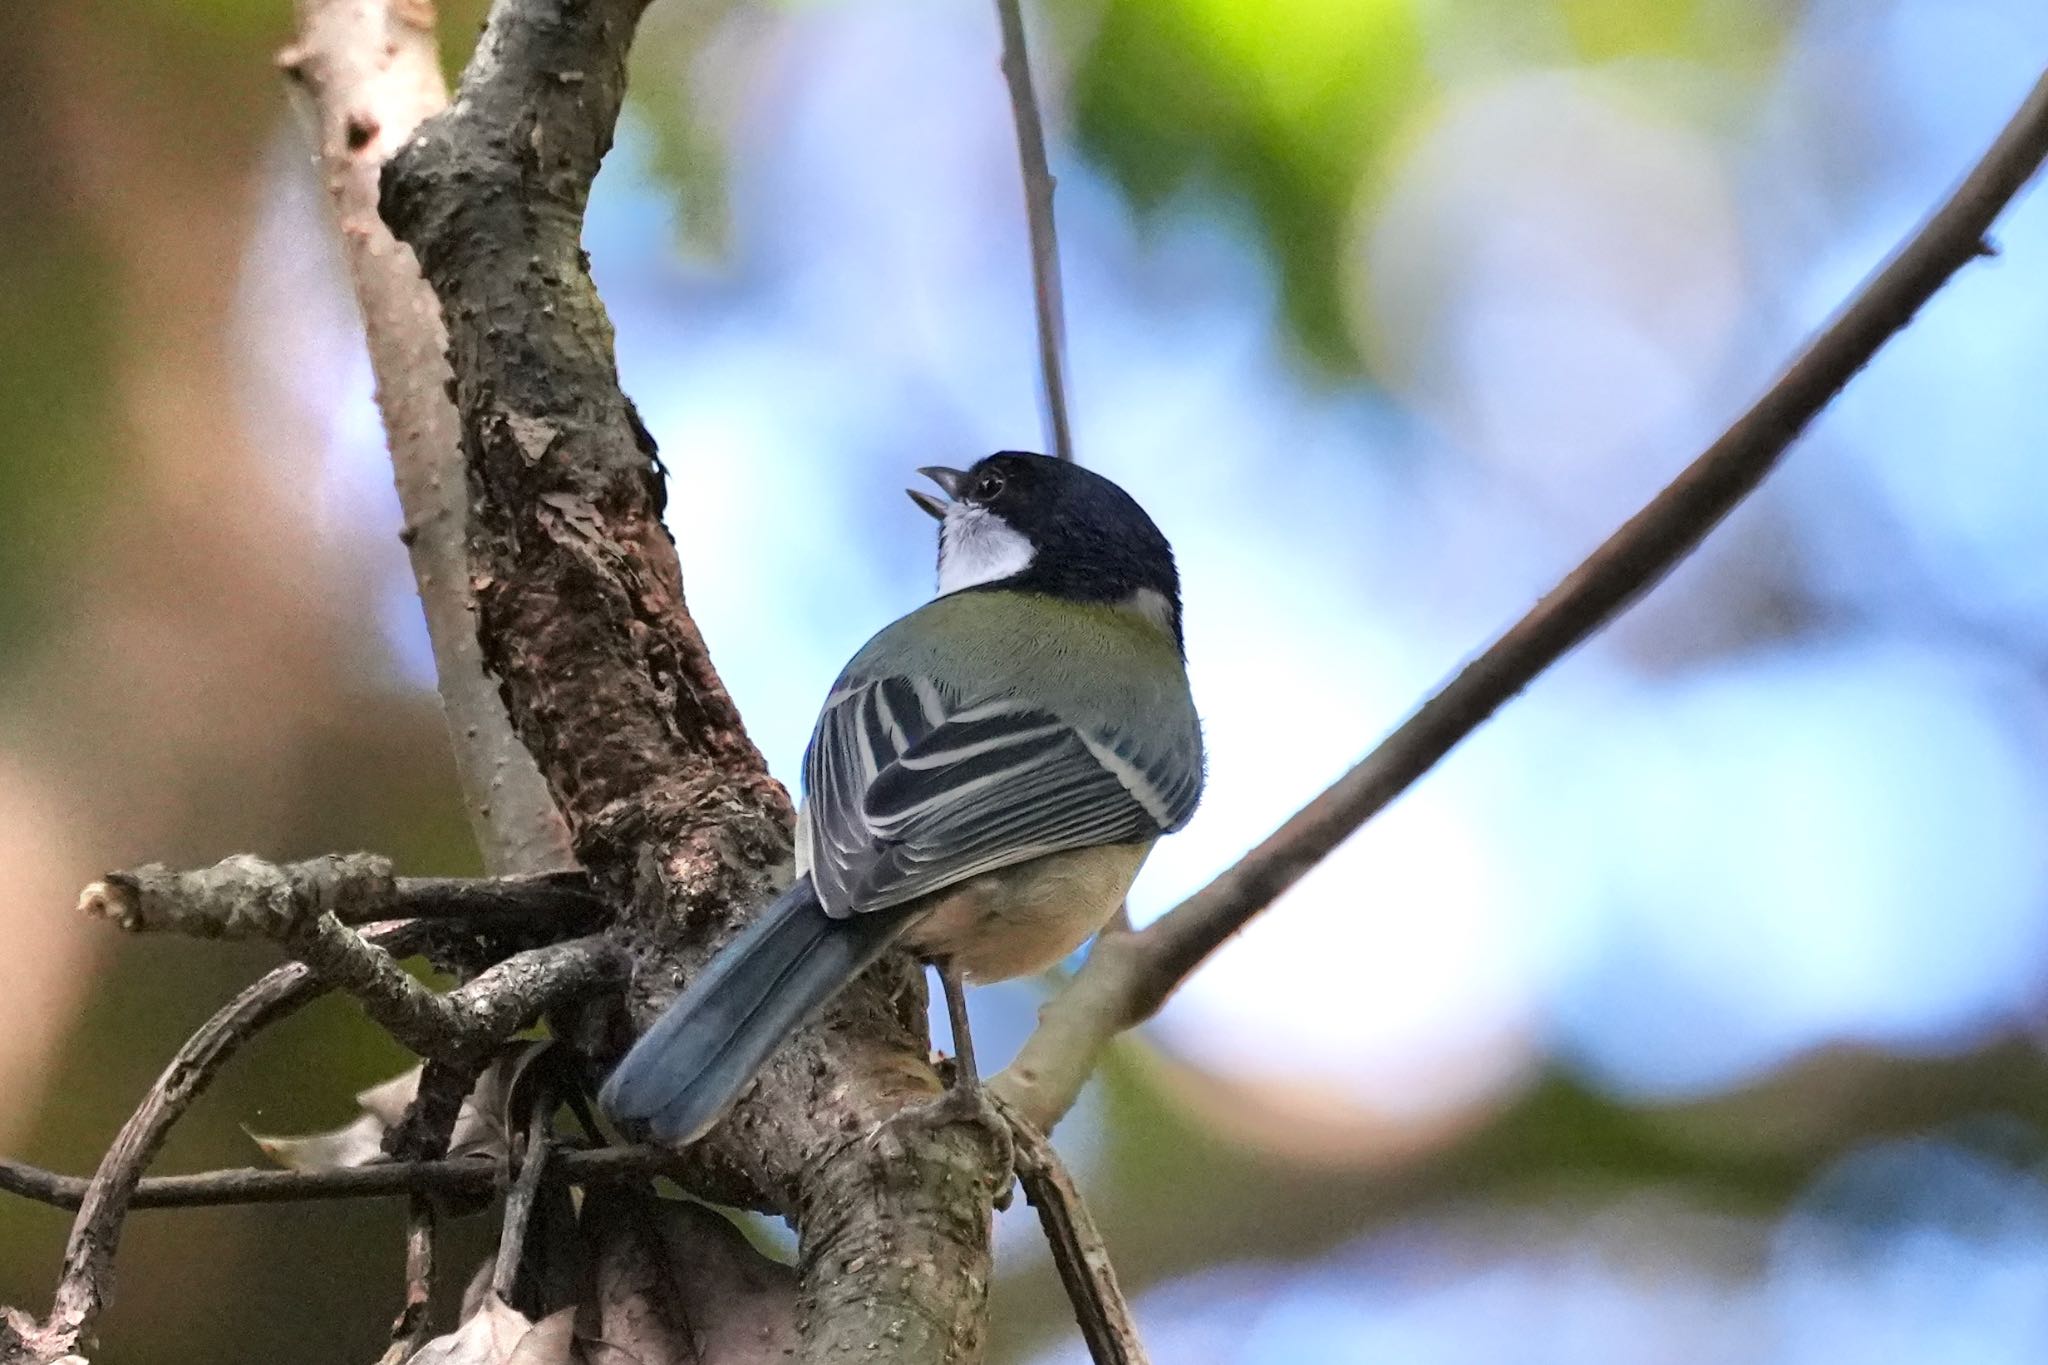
[307,908]
[610,684]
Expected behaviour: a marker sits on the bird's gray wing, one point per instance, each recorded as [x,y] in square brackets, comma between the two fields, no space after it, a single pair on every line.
[907,790]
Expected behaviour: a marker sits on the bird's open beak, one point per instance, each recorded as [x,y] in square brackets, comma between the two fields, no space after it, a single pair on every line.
[949,481]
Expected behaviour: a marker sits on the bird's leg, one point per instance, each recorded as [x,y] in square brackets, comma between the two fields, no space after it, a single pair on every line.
[965,1100]
[966,1077]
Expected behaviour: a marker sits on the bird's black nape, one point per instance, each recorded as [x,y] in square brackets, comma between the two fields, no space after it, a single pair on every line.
[1091,540]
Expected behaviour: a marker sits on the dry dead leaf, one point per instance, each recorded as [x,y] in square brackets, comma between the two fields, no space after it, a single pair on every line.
[676,1283]
[499,1334]
[482,1127]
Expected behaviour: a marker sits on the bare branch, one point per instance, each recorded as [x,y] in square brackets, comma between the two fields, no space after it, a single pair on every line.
[304,906]
[1078,1252]
[443,1088]
[410,1328]
[370,73]
[519,1204]
[1046,292]
[558,901]
[466,1177]
[246,897]
[423,1133]
[472,1018]
[243,896]
[86,1280]
[1130,975]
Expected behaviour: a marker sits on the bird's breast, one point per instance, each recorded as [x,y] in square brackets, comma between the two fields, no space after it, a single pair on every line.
[1023,919]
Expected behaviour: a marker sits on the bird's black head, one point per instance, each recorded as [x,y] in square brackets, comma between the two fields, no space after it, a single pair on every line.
[1036,524]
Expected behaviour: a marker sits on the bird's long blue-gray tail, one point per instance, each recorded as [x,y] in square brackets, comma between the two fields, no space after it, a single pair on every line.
[758,990]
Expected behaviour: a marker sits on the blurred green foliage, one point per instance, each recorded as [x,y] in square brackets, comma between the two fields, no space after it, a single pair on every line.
[1284,106]
[1719,32]
[686,152]
[60,424]
[1298,109]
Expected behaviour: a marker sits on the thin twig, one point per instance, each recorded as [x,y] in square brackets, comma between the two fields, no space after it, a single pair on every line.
[519,1203]
[1045,246]
[423,1134]
[410,1328]
[370,71]
[103,1202]
[447,1177]
[1130,975]
[1078,1252]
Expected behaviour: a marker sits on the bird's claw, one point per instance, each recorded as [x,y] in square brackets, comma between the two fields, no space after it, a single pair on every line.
[966,1102]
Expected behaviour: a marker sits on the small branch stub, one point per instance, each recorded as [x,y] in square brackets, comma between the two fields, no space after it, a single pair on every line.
[245,897]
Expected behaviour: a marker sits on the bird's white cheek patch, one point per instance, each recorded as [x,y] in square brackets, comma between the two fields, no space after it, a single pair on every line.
[976,546]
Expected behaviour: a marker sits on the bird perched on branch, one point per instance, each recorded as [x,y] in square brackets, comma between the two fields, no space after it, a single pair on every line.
[985,779]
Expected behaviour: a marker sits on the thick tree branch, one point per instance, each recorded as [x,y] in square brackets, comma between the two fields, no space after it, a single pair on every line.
[579,595]
[1130,975]
[582,616]
[1039,184]
[370,72]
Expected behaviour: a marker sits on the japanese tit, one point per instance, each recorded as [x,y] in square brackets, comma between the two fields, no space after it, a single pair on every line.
[984,781]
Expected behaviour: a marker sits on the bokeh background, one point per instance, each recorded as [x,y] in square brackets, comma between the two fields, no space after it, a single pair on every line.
[1692,1012]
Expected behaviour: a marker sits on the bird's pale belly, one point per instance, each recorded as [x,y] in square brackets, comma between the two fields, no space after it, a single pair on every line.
[1023,919]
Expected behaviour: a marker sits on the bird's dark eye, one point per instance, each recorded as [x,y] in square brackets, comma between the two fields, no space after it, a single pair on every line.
[987,487]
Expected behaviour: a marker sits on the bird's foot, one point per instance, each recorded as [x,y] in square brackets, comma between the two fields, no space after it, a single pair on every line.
[965,1101]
